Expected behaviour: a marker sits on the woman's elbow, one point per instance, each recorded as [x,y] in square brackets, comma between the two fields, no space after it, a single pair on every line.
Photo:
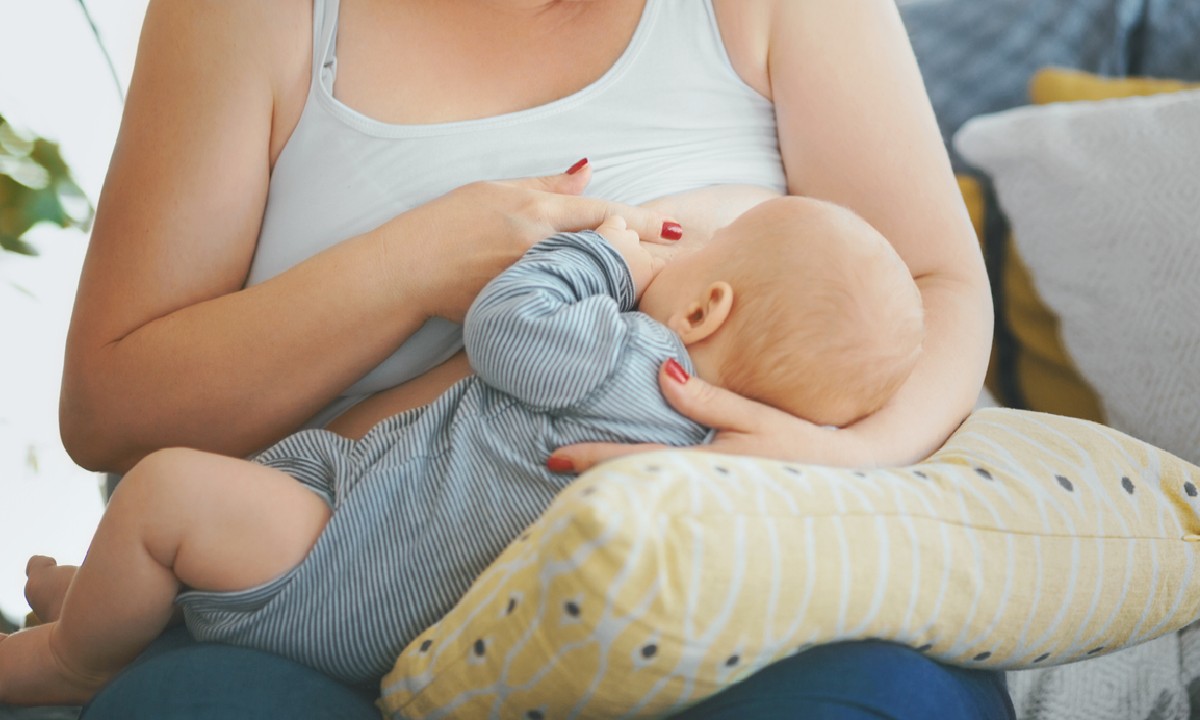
[83,443]
[91,438]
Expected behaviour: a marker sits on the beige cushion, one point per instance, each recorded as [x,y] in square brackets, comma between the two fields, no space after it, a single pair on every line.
[656,580]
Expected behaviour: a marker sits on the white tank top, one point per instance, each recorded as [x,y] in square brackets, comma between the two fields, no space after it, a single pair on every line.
[670,115]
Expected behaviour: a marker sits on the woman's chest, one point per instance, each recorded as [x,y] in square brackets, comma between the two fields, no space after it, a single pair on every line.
[439,61]
[436,61]
[670,116]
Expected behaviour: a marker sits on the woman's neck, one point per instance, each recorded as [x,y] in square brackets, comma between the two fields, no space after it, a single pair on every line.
[525,7]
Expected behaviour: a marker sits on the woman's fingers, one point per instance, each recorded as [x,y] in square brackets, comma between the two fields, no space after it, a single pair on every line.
[572,181]
[579,213]
[489,224]
[711,405]
[564,210]
[740,422]
[744,427]
[584,456]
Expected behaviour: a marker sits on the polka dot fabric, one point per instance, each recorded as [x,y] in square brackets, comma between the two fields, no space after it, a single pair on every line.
[656,580]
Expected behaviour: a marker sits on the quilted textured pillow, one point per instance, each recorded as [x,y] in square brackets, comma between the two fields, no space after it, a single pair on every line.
[656,580]
[1037,372]
[1104,202]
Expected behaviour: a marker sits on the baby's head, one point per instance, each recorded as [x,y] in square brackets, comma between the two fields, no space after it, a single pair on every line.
[823,319]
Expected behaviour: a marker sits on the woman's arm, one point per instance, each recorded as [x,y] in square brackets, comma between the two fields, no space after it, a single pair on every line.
[161,348]
[165,347]
[856,128]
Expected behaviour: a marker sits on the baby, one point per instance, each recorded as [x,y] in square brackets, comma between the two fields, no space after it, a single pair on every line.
[338,553]
[799,304]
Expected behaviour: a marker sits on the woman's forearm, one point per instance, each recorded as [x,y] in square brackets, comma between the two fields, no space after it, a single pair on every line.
[232,371]
[941,391]
[236,372]
[877,150]
[945,384]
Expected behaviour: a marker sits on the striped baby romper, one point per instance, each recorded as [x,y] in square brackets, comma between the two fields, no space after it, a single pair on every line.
[427,499]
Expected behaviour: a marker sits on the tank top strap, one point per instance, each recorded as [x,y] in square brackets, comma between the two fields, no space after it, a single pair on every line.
[325,21]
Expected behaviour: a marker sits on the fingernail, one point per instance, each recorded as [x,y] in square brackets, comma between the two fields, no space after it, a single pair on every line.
[557,464]
[671,231]
[577,166]
[676,372]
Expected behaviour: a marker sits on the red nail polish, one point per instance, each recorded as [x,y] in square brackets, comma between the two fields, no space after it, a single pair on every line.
[672,231]
[676,372]
[558,464]
[577,166]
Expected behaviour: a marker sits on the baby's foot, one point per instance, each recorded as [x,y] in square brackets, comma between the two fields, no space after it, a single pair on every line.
[46,586]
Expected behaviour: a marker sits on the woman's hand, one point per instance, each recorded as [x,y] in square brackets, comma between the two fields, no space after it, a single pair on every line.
[484,227]
[744,427]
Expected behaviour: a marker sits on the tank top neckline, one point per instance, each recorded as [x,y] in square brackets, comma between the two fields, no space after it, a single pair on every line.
[326,71]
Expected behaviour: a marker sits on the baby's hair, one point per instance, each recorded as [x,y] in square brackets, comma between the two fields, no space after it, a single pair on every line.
[826,326]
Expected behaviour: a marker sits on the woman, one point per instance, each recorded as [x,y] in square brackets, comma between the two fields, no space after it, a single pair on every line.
[290,227]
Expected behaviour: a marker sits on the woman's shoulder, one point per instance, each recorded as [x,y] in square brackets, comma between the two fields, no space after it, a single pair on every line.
[234,46]
[745,27]
[749,27]
[271,25]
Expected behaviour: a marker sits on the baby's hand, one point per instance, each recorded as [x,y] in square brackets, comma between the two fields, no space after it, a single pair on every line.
[642,265]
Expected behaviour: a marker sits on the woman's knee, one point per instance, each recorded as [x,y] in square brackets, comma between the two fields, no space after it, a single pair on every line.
[849,681]
[179,680]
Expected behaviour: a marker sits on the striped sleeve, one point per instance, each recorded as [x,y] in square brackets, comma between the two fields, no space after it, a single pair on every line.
[548,330]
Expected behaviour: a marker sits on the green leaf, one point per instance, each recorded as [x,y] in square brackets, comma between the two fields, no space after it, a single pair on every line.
[35,187]
[12,141]
[17,245]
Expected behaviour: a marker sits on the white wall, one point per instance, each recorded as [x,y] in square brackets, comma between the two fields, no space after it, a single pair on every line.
[53,81]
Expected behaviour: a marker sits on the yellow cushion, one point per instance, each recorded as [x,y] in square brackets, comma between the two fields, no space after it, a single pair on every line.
[976,202]
[1044,374]
[1051,85]
[656,580]
[1046,377]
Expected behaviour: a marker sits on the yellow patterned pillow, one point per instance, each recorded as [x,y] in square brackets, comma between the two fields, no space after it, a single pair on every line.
[656,580]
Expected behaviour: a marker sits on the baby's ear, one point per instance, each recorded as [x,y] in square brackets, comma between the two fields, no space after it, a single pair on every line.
[701,318]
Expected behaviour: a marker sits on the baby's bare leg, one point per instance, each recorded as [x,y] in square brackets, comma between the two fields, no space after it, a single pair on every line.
[180,517]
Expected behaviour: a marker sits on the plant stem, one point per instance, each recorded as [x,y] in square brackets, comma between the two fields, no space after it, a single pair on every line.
[112,69]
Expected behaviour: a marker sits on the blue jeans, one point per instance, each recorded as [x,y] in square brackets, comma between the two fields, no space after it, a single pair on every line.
[177,679]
